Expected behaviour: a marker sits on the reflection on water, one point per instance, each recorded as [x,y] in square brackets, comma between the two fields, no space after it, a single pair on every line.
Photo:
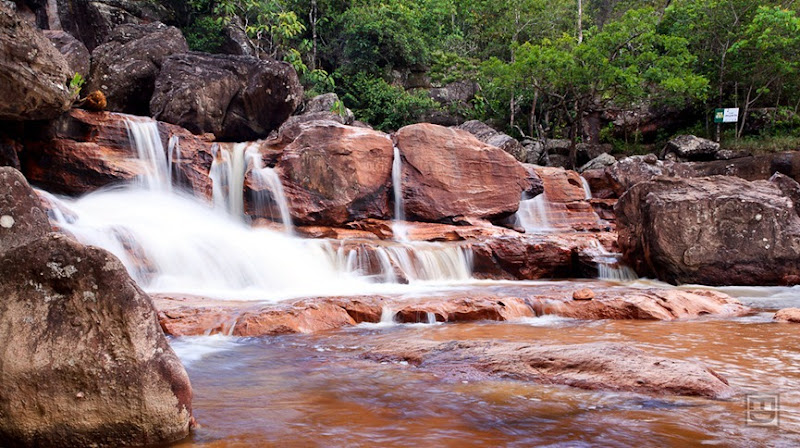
[318,390]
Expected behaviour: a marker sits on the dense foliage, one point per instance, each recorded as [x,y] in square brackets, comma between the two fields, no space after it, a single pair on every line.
[545,68]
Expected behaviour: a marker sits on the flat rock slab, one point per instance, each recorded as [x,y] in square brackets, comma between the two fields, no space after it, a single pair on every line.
[192,315]
[595,366]
[788,315]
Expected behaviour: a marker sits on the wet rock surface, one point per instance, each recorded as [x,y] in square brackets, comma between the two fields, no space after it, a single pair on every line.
[192,315]
[83,151]
[84,361]
[333,174]
[788,315]
[604,366]
[448,174]
[714,231]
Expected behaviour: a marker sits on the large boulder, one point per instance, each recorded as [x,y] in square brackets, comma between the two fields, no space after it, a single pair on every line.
[333,174]
[631,170]
[72,49]
[448,173]
[83,151]
[234,97]
[490,136]
[715,231]
[126,66]
[690,148]
[33,74]
[92,21]
[84,360]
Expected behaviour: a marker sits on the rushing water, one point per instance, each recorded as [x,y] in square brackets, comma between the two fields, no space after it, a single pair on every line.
[398,226]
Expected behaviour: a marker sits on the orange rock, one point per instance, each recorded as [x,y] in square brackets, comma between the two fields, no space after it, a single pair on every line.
[788,315]
[583,294]
[449,174]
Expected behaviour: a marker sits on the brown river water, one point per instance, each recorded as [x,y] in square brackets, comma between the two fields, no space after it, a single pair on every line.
[318,390]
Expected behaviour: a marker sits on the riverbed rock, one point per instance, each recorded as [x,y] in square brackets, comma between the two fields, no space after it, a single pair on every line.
[690,148]
[594,366]
[715,231]
[333,174]
[84,361]
[83,151]
[788,315]
[33,74]
[125,67]
[185,316]
[491,136]
[236,98]
[72,49]
[448,174]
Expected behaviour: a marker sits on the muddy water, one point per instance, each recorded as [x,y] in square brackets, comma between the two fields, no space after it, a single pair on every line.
[318,390]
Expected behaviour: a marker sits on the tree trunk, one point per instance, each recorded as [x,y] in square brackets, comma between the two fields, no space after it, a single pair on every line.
[313,21]
[580,21]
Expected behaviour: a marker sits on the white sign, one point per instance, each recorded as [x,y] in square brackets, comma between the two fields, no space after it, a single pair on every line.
[731,115]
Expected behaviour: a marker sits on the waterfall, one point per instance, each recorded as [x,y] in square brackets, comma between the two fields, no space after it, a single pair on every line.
[587,190]
[269,190]
[412,262]
[173,159]
[146,140]
[227,176]
[533,215]
[399,228]
[609,264]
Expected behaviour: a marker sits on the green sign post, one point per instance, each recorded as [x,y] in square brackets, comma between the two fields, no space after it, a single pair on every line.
[727,115]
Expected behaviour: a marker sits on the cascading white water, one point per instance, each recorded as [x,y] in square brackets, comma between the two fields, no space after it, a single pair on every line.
[418,262]
[587,190]
[173,158]
[609,264]
[171,241]
[270,190]
[146,140]
[227,175]
[532,215]
[399,228]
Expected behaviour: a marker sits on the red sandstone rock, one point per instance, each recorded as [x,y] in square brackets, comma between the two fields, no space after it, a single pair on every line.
[82,151]
[788,315]
[195,316]
[596,366]
[449,174]
[583,294]
[715,231]
[333,174]
[567,205]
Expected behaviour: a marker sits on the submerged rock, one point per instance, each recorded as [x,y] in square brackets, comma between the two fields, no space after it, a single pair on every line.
[236,98]
[84,362]
[33,74]
[595,366]
[449,174]
[125,67]
[715,231]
